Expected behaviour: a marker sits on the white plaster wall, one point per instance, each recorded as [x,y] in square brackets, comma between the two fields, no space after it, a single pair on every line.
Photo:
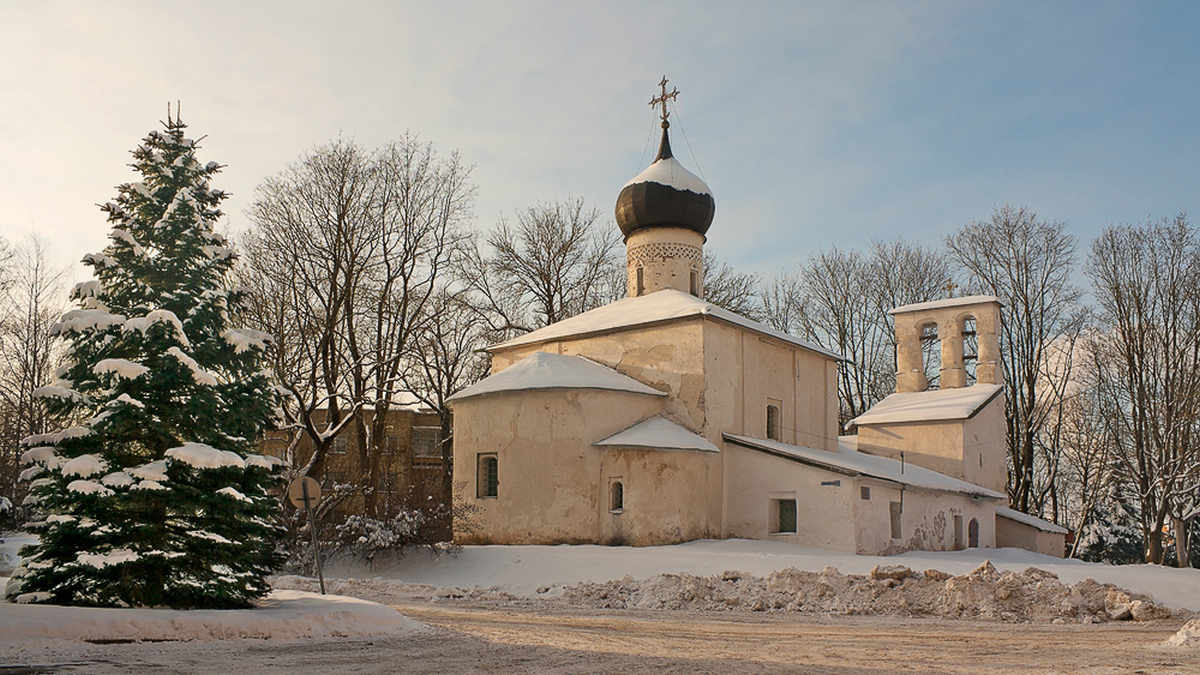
[926,520]
[1010,533]
[825,514]
[666,496]
[549,473]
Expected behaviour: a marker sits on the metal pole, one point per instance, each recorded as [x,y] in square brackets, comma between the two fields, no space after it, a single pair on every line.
[312,526]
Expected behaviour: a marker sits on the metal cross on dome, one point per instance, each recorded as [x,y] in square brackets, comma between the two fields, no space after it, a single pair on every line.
[663,100]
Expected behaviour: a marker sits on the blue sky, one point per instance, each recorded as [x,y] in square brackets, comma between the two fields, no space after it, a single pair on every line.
[815,124]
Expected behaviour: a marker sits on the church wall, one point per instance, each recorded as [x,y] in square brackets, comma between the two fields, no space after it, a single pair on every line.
[1010,533]
[926,520]
[824,513]
[663,496]
[971,449]
[746,373]
[549,474]
[668,357]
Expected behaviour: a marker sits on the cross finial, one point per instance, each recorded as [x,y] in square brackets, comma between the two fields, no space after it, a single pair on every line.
[949,288]
[662,100]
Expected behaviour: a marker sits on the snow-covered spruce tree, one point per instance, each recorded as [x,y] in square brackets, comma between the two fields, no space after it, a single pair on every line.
[153,498]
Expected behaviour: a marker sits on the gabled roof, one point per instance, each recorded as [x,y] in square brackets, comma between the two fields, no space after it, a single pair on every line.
[543,370]
[656,307]
[948,302]
[1032,521]
[657,433]
[930,406]
[861,464]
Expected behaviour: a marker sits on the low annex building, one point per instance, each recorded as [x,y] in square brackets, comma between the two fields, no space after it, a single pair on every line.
[662,418]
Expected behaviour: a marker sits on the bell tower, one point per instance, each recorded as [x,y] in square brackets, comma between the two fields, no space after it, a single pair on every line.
[664,214]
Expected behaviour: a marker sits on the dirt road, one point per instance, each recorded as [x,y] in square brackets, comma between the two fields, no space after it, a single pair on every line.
[539,639]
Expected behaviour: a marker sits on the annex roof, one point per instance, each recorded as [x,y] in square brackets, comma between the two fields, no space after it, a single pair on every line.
[658,433]
[930,406]
[948,302]
[659,306]
[854,463]
[543,370]
[1032,521]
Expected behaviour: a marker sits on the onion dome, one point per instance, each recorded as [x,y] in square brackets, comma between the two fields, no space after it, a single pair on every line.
[665,195]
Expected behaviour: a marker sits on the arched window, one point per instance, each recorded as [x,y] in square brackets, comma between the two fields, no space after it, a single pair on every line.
[616,501]
[695,282]
[931,354]
[970,338]
[773,430]
[488,477]
[973,534]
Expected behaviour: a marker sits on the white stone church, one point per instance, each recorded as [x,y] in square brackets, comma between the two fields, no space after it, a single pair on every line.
[662,418]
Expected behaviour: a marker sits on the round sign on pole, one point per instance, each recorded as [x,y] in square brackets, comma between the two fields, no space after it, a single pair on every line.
[297,492]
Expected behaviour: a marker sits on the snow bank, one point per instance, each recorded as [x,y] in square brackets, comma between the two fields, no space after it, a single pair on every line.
[283,615]
[523,570]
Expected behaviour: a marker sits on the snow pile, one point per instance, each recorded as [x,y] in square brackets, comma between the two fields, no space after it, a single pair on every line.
[1032,595]
[283,615]
[1188,636]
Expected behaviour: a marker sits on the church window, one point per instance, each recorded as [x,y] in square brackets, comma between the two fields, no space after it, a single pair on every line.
[488,478]
[895,511]
[773,430]
[616,497]
[641,282]
[931,354]
[958,533]
[973,534]
[695,282]
[427,441]
[865,493]
[785,516]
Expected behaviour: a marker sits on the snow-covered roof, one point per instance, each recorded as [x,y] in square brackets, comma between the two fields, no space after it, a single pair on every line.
[930,406]
[663,305]
[871,466]
[948,302]
[668,171]
[543,370]
[657,433]
[1032,521]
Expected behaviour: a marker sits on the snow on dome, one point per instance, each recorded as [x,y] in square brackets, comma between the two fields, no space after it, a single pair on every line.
[84,466]
[232,492]
[670,172]
[88,487]
[200,375]
[663,305]
[658,433]
[930,406]
[543,370]
[154,471]
[122,368]
[204,456]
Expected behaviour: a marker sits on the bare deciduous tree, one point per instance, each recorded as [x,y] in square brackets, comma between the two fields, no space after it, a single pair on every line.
[1027,263]
[554,263]
[726,287]
[1147,286]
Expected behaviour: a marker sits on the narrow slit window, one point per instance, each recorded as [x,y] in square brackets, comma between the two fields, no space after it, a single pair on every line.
[617,497]
[773,430]
[489,477]
[895,511]
[640,288]
[695,282]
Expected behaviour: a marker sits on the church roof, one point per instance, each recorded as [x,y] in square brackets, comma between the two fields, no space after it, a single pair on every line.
[660,306]
[1032,521]
[854,463]
[948,302]
[543,370]
[657,433]
[930,406]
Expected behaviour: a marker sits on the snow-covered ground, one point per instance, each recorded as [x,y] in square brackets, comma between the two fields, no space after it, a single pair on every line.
[526,571]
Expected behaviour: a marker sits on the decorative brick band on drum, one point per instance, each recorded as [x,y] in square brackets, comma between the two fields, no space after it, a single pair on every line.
[662,252]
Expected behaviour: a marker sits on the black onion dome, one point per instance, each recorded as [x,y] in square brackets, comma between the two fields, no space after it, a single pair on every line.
[665,195]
